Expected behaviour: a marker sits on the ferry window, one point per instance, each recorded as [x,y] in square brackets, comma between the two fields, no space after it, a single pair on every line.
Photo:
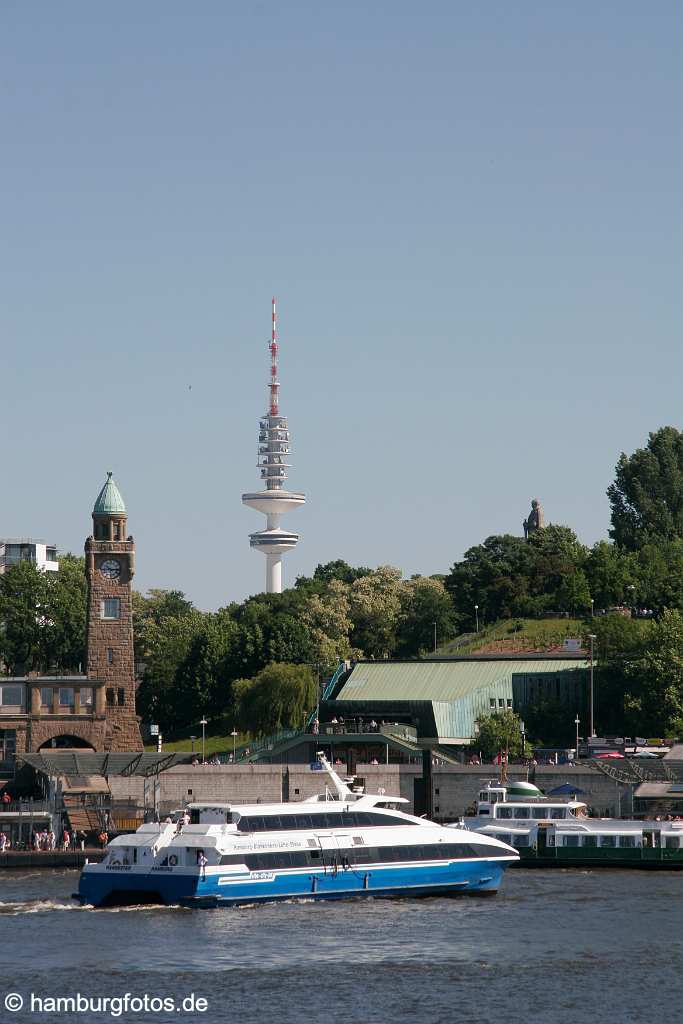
[504,812]
[571,840]
[608,841]
[483,795]
[303,821]
[539,812]
[521,812]
[590,840]
[558,812]
[672,842]
[505,838]
[627,842]
[522,841]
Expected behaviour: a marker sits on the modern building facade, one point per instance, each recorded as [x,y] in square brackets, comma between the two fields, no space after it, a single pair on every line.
[96,710]
[37,552]
[442,699]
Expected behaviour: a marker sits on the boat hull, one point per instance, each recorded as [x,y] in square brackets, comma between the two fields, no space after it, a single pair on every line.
[99,887]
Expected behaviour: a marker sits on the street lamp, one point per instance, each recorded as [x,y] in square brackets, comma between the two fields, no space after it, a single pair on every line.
[522,729]
[576,723]
[476,614]
[592,637]
[193,738]
[203,724]
[592,607]
[434,638]
[633,597]
[234,735]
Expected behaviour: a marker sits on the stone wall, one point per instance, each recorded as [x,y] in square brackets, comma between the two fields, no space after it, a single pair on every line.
[454,787]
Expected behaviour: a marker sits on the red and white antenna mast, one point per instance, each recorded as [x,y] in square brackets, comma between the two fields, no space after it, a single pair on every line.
[274,383]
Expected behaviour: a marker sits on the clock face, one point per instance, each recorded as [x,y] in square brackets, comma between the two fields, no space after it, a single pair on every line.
[110,568]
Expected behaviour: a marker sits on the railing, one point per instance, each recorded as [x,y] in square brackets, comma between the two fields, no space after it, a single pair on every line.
[266,743]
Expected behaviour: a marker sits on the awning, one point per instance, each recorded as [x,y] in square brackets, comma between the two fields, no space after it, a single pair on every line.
[77,762]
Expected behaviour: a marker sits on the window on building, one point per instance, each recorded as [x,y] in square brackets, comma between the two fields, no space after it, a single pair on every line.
[46,696]
[501,702]
[492,703]
[51,554]
[111,696]
[110,655]
[12,696]
[509,703]
[66,696]
[8,744]
[122,696]
[86,696]
[110,608]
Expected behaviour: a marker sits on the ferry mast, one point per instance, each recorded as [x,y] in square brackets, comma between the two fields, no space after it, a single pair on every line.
[273,452]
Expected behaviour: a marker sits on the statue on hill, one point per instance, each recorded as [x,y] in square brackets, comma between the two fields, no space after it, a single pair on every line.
[536,520]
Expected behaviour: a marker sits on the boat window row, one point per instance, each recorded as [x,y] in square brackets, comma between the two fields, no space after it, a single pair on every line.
[321,819]
[538,813]
[359,855]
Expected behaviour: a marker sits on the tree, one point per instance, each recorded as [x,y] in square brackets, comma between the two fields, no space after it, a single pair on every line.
[63,637]
[169,644]
[326,617]
[501,730]
[374,605]
[277,698]
[150,610]
[494,575]
[647,493]
[24,615]
[609,571]
[653,698]
[426,611]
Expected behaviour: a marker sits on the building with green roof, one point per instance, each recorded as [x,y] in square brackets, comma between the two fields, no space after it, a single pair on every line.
[442,699]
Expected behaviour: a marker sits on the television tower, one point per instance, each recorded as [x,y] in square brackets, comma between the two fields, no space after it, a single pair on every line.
[273,451]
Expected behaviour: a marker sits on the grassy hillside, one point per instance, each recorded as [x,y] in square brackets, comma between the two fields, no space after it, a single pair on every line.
[516,636]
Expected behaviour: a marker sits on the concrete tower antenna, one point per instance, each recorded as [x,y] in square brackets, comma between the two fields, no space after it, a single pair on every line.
[273,451]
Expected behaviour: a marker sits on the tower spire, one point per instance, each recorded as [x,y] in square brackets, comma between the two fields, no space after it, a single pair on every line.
[274,501]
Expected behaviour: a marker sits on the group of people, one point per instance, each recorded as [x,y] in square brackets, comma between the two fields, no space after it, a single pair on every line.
[214,761]
[47,841]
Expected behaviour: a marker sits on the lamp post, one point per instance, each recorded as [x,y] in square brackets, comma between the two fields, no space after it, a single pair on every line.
[234,735]
[203,724]
[476,615]
[193,738]
[632,589]
[522,730]
[434,638]
[592,607]
[576,723]
[592,637]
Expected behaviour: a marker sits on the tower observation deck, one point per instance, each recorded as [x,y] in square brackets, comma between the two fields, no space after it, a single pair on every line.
[273,454]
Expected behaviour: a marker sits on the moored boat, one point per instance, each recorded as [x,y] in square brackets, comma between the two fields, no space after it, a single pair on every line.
[344,843]
[556,832]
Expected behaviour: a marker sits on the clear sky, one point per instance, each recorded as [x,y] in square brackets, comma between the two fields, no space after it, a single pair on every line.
[471,217]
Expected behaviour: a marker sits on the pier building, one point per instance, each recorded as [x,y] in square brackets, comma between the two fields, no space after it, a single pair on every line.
[274,501]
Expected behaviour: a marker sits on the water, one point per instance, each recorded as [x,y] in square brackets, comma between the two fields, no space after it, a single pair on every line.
[560,946]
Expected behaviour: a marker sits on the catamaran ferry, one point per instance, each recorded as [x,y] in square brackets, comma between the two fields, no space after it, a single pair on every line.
[344,843]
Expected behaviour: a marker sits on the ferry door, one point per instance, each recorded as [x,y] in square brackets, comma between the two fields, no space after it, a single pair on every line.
[541,840]
[329,852]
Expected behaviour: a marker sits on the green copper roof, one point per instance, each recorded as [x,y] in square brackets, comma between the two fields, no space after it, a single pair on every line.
[109,499]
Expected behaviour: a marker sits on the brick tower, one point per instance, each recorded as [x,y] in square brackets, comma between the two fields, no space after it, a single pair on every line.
[110,567]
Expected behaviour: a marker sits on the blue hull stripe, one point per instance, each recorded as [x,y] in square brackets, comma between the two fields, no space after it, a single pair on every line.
[99,886]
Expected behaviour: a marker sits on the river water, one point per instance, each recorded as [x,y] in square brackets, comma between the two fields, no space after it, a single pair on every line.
[557,946]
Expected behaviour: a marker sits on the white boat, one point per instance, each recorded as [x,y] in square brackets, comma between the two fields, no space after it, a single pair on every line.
[549,831]
[342,844]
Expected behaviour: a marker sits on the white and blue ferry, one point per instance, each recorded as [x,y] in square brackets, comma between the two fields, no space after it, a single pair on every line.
[345,843]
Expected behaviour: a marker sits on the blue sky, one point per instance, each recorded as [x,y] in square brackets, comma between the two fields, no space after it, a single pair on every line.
[470,215]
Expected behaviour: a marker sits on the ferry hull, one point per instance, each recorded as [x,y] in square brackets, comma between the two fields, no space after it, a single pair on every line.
[101,888]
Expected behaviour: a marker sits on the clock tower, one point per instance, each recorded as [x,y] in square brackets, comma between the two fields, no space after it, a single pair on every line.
[110,567]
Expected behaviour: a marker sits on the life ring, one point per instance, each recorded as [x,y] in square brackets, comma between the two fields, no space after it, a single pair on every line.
[173,860]
[115,860]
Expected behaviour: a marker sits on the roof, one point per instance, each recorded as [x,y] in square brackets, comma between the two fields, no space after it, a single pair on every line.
[675,754]
[442,680]
[109,499]
[659,790]
[77,762]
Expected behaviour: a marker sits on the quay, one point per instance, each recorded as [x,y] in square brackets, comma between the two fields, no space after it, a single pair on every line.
[32,859]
